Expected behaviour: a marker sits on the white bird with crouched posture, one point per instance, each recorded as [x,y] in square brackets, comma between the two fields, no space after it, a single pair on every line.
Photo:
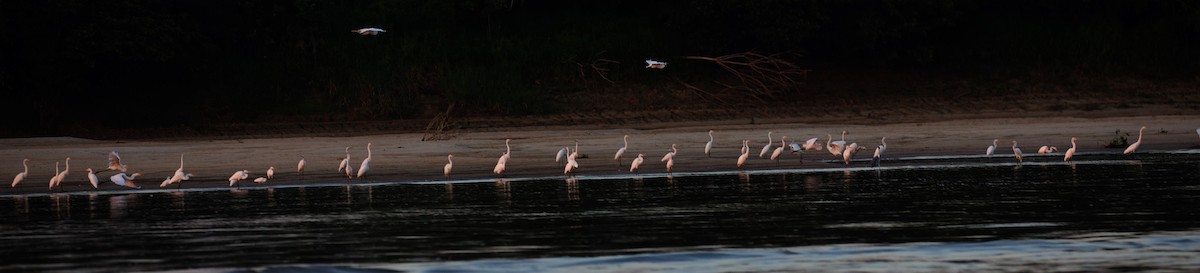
[652,64]
[300,166]
[260,179]
[637,162]
[369,31]
[238,176]
[1047,149]
[179,175]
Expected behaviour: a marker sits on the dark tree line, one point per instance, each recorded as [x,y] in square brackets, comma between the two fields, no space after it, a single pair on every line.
[66,65]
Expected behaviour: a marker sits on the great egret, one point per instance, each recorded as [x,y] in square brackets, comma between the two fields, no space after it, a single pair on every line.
[1133,147]
[992,149]
[238,176]
[708,146]
[92,178]
[178,176]
[670,164]
[1071,151]
[745,153]
[62,175]
[124,180]
[883,145]
[621,151]
[652,64]
[21,176]
[561,153]
[54,179]
[114,162]
[500,163]
[778,151]
[1047,149]
[449,165]
[571,165]
[300,166]
[1017,151]
[670,155]
[767,147]
[848,154]
[835,147]
[366,163]
[369,31]
[811,144]
[637,162]
[345,161]
[271,172]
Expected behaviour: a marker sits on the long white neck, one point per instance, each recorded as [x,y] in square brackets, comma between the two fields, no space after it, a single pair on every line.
[26,163]
[843,135]
[710,137]
[782,142]
[508,149]
[68,169]
[1072,143]
[626,141]
[368,150]
[769,139]
[1139,135]
[884,141]
[450,159]
[180,161]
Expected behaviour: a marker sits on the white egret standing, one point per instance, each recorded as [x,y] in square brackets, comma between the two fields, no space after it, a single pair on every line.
[745,153]
[883,145]
[1017,151]
[637,162]
[366,163]
[54,179]
[92,178]
[1071,151]
[621,151]
[561,154]
[848,153]
[778,151]
[449,166]
[992,149]
[670,154]
[300,166]
[21,176]
[503,161]
[122,179]
[62,175]
[708,146]
[238,176]
[345,160]
[271,172]
[767,148]
[369,31]
[1133,147]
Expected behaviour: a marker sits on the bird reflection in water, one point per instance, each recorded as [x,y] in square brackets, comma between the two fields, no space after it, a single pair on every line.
[117,205]
[178,199]
[744,181]
[572,188]
[504,190]
[62,205]
[812,182]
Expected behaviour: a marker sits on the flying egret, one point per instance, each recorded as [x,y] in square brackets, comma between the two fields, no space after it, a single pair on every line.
[621,151]
[260,179]
[238,176]
[1071,151]
[345,161]
[637,162]
[767,147]
[179,176]
[92,178]
[369,31]
[114,163]
[271,172]
[1133,147]
[21,176]
[652,64]
[1047,149]
[122,179]
[708,146]
[778,151]
[745,153]
[449,165]
[300,166]
[812,145]
[1017,151]
[992,149]
[366,163]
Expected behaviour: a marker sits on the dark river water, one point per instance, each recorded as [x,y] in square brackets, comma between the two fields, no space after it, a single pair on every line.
[1103,213]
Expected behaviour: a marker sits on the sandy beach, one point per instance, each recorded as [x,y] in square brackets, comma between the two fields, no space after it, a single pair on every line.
[400,157]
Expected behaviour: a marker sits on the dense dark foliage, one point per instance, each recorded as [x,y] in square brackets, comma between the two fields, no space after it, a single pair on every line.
[136,63]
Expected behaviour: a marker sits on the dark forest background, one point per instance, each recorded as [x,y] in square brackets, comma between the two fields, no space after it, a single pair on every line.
[66,65]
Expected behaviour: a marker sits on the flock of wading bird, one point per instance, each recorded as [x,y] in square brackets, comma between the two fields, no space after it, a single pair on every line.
[838,149]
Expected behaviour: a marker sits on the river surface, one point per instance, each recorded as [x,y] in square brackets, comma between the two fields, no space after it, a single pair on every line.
[1102,213]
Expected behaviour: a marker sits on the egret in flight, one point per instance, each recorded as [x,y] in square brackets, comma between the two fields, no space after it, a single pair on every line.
[652,64]
[369,31]
[124,180]
[114,163]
